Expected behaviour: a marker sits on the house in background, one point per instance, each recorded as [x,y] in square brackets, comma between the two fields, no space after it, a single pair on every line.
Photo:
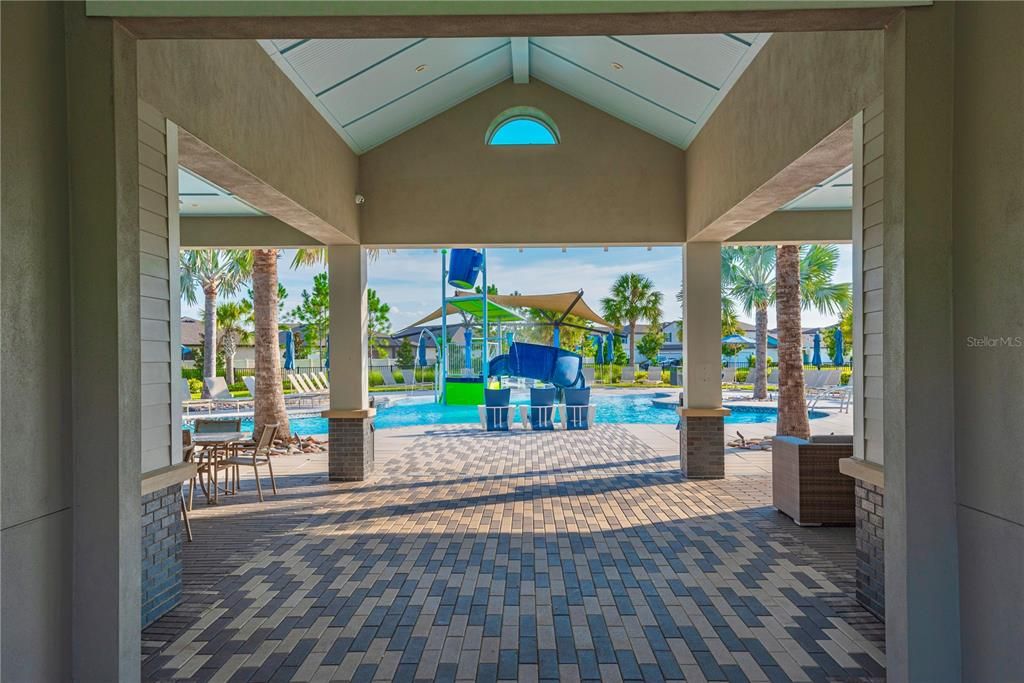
[192,341]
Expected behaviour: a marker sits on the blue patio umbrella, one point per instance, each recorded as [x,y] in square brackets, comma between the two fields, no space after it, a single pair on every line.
[421,352]
[816,357]
[469,348]
[838,358]
[327,362]
[289,350]
[609,343]
[737,339]
[599,348]
[185,352]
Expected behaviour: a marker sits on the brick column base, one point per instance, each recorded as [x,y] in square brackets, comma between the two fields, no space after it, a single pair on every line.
[161,552]
[702,447]
[870,547]
[350,448]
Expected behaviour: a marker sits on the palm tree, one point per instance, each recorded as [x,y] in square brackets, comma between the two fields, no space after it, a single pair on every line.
[213,271]
[633,298]
[231,322]
[748,278]
[803,280]
[269,400]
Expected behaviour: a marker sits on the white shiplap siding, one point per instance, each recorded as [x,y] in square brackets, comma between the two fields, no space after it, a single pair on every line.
[159,310]
[868,168]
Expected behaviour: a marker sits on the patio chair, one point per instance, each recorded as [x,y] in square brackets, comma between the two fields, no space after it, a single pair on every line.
[577,411]
[187,402]
[257,456]
[540,414]
[729,375]
[628,374]
[496,415]
[408,376]
[654,374]
[589,374]
[302,390]
[324,380]
[221,395]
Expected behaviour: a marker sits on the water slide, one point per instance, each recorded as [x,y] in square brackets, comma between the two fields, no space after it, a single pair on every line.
[559,367]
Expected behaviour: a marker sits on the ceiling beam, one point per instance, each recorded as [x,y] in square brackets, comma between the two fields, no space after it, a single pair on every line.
[520,60]
[484,26]
[241,232]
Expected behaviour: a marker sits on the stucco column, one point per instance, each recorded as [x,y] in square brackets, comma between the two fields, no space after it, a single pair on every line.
[350,415]
[106,357]
[922,597]
[701,417]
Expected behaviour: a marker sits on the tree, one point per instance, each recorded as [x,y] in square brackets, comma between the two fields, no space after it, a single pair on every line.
[803,280]
[377,321]
[650,344]
[748,274]
[633,298]
[213,271]
[231,323]
[269,399]
[315,312]
[406,354]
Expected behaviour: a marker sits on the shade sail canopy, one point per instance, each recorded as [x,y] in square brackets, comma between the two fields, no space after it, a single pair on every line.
[565,303]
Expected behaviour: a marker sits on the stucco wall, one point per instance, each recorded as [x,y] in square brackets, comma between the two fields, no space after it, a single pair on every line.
[800,88]
[231,95]
[988,300]
[35,325]
[606,183]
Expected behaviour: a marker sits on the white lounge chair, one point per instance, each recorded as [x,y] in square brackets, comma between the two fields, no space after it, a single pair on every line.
[628,374]
[221,395]
[654,374]
[188,403]
[589,374]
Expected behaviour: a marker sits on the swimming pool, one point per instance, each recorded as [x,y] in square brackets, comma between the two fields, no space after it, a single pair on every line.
[614,408]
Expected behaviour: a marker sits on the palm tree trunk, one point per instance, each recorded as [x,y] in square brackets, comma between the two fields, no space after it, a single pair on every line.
[229,357]
[792,403]
[761,354]
[209,336]
[269,399]
[632,342]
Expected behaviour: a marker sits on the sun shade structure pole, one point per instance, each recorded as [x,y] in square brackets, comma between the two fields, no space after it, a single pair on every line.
[442,348]
[484,363]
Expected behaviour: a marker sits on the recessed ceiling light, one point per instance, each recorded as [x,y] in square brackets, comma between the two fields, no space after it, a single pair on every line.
[616,66]
[421,68]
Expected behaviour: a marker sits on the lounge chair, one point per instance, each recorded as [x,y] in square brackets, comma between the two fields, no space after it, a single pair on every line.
[589,374]
[654,374]
[221,395]
[628,374]
[408,376]
[577,411]
[497,415]
[188,403]
[389,377]
[540,414]
[728,375]
[303,391]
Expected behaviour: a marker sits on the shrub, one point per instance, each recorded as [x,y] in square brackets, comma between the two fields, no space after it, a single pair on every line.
[238,386]
[844,376]
[751,361]
[376,379]
[641,376]
[195,386]
[615,374]
[425,374]
[741,375]
[665,376]
[397,376]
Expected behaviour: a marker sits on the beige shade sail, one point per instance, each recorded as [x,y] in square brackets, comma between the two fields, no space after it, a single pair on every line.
[559,305]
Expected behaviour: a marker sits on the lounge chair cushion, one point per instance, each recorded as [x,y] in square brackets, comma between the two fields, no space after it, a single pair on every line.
[497,420]
[542,409]
[577,408]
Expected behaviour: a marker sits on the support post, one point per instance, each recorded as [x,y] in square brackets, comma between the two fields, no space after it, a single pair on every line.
[484,364]
[350,417]
[106,423]
[441,360]
[922,590]
[701,417]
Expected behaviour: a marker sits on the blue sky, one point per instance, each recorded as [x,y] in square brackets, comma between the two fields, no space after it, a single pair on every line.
[409,280]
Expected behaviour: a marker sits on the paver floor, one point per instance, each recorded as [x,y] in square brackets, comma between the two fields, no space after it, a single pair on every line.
[519,556]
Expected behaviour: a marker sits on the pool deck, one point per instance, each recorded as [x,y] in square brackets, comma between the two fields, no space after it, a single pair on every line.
[516,556]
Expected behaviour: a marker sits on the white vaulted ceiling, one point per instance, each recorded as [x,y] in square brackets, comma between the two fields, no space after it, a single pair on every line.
[835,192]
[371,90]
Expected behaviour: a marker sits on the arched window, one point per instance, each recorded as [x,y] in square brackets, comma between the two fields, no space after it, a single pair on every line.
[522,126]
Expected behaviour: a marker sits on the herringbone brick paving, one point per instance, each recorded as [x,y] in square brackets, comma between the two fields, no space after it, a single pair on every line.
[519,556]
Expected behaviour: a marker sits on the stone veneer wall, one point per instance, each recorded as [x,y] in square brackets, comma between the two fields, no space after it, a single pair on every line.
[350,448]
[161,552]
[702,447]
[871,547]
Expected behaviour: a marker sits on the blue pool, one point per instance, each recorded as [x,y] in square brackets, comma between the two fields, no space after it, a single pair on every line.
[421,410]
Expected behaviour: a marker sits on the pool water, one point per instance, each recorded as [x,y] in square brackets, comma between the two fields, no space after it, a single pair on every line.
[628,408]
